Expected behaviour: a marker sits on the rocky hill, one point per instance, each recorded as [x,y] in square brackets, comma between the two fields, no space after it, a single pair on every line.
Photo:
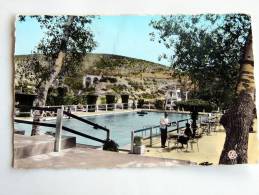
[109,73]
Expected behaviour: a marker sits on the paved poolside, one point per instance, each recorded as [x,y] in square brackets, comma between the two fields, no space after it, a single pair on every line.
[82,114]
[83,157]
[210,147]
[101,113]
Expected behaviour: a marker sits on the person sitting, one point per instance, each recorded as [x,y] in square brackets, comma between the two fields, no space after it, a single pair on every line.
[183,139]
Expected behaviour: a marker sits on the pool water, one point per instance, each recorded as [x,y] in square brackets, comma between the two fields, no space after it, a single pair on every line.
[120,126]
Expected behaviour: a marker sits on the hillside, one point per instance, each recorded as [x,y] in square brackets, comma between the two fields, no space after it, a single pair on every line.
[119,74]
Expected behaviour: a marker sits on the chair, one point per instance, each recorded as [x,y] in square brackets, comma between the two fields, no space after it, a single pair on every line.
[172,138]
[193,141]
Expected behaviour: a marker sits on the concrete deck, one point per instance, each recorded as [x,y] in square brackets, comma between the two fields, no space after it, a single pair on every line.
[210,148]
[83,157]
[101,113]
[83,114]
[26,146]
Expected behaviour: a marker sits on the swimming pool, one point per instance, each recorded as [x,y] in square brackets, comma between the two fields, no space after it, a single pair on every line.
[120,125]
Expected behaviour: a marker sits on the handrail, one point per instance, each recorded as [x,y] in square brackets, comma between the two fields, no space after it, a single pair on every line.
[86,121]
[151,134]
[156,126]
[63,127]
[89,123]
[82,134]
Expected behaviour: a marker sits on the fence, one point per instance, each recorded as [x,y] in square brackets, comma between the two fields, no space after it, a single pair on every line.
[150,132]
[79,108]
[59,125]
[153,131]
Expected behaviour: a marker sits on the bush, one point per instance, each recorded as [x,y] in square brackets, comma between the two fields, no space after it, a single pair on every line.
[110,79]
[111,145]
[80,99]
[196,104]
[159,104]
[141,103]
[125,100]
[103,100]
[138,140]
[110,99]
[91,99]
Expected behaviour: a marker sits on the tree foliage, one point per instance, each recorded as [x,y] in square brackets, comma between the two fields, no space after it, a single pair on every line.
[206,47]
[80,42]
[66,40]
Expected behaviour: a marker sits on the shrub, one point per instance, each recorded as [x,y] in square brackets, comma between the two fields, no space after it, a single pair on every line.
[80,99]
[148,96]
[110,99]
[118,88]
[110,79]
[138,140]
[91,99]
[111,145]
[125,100]
[159,104]
[141,103]
[196,104]
[103,100]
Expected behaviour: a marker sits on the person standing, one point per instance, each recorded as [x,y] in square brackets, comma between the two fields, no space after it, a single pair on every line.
[164,123]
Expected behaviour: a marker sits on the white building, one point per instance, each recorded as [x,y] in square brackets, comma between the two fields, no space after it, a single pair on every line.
[172,96]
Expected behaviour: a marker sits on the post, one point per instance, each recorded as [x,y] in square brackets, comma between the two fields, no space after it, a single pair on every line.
[151,130]
[58,134]
[106,107]
[108,135]
[132,141]
[209,125]
[115,106]
[177,126]
[87,108]
[96,107]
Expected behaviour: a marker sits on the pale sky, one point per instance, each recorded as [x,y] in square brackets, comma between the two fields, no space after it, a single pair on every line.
[121,35]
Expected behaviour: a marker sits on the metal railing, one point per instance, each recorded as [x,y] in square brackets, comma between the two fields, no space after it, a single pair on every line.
[149,133]
[153,131]
[59,125]
[50,110]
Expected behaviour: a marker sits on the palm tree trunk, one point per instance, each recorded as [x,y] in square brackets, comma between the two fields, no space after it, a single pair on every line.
[238,119]
[46,83]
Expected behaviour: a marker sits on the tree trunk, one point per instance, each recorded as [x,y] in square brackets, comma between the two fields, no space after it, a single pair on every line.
[55,70]
[238,119]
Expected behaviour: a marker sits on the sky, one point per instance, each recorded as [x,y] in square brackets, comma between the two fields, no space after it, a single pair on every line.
[121,35]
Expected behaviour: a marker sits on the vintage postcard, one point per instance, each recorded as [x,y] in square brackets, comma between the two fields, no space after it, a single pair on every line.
[134,91]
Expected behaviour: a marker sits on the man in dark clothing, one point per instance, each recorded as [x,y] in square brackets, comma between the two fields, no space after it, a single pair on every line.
[164,123]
